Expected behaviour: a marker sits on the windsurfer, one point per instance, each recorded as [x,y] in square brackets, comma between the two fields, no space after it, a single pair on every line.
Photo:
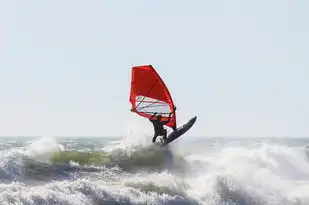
[159,130]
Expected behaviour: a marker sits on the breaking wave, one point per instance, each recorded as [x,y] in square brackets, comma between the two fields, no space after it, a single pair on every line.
[218,173]
[41,164]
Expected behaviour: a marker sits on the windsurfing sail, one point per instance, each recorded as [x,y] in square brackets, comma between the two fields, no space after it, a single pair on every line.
[149,94]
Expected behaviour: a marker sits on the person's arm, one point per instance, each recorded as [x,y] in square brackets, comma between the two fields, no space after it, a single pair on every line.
[174,108]
[151,118]
[169,116]
[168,120]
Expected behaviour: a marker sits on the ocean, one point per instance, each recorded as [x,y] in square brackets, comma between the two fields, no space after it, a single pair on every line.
[192,170]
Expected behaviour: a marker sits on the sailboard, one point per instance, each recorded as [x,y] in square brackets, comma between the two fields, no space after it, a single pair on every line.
[149,95]
[178,132]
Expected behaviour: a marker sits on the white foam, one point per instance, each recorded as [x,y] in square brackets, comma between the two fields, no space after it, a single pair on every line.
[265,174]
[269,173]
[44,148]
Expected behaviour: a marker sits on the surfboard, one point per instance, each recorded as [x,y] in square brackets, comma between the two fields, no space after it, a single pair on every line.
[179,132]
[149,95]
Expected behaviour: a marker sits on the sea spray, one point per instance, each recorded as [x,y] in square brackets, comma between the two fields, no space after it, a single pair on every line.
[44,149]
[226,173]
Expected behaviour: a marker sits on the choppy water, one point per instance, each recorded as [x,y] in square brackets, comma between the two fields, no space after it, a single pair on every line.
[99,171]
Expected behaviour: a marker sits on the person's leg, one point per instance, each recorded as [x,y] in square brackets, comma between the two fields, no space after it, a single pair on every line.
[154,138]
[164,135]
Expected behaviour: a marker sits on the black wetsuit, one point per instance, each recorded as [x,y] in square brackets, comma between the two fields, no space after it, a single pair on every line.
[158,127]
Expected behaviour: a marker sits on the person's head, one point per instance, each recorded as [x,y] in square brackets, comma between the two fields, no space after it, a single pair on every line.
[159,118]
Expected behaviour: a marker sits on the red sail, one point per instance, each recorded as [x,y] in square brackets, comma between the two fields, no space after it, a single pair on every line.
[149,94]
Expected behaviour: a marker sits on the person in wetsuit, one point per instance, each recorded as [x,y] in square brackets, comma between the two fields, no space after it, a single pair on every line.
[159,130]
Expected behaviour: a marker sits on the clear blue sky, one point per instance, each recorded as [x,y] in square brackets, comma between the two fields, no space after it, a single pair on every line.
[241,66]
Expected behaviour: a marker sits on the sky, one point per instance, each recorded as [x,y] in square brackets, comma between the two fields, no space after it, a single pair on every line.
[240,66]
